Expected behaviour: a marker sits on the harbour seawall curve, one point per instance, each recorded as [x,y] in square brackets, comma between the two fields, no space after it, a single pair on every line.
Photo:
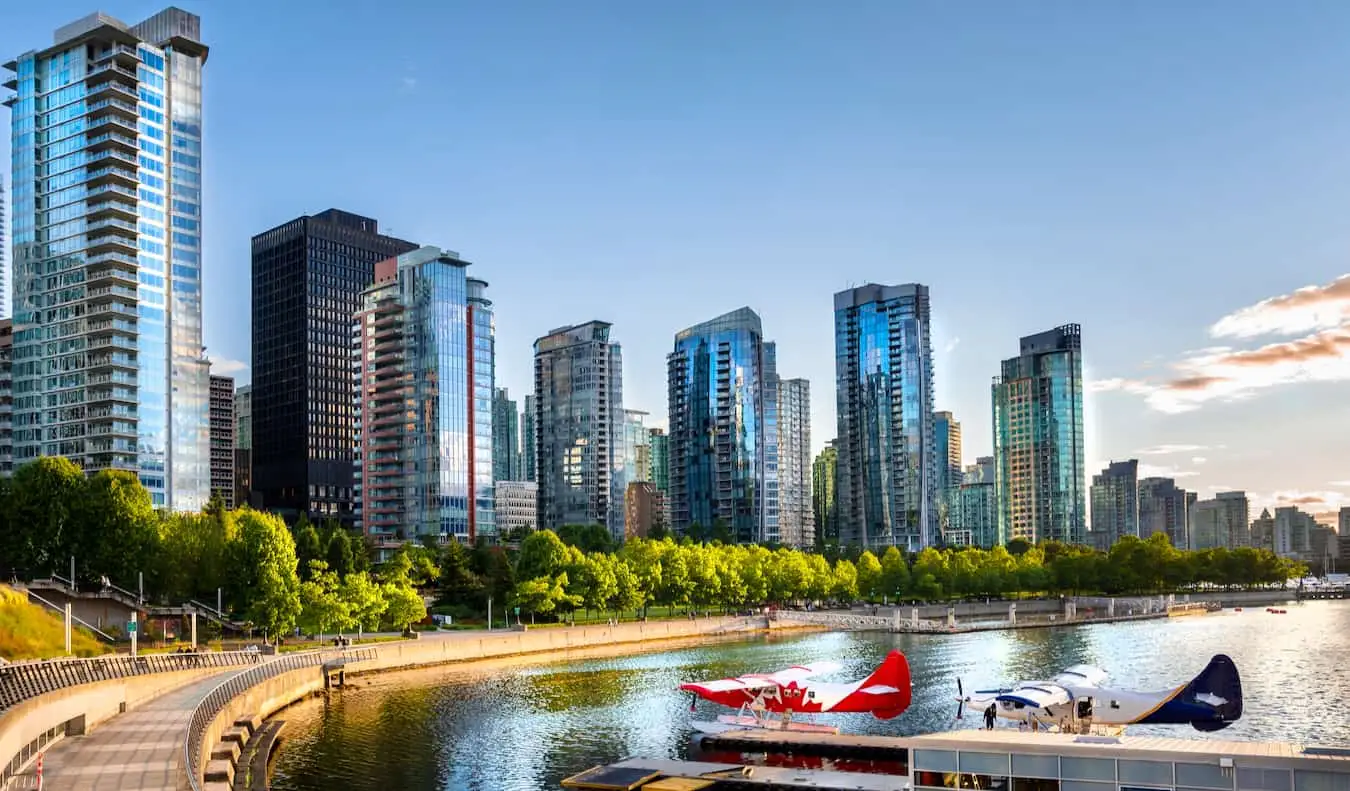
[273,694]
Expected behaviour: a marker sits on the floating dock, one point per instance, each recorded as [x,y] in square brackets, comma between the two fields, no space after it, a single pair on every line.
[978,759]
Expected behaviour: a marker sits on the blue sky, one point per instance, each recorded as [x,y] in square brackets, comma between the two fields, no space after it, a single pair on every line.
[1144,169]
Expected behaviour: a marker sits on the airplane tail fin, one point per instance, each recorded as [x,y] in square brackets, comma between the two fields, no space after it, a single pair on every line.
[1219,685]
[893,672]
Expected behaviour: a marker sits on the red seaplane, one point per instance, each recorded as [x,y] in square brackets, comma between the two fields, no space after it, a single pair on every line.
[758,697]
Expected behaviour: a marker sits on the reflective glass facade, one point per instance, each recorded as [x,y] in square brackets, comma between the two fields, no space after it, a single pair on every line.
[887,464]
[1038,439]
[723,386]
[636,447]
[578,399]
[823,475]
[505,438]
[527,441]
[659,455]
[423,344]
[1114,499]
[106,139]
[223,439]
[796,517]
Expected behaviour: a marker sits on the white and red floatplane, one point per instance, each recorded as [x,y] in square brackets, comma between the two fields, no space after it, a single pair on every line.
[770,700]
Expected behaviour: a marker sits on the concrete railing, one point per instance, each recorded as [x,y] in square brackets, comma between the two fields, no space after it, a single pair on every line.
[21,681]
[207,715]
[28,727]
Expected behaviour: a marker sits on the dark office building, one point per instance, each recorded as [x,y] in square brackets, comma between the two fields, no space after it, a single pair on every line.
[308,275]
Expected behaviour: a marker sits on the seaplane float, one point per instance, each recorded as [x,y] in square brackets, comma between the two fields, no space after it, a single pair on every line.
[1076,701]
[770,700]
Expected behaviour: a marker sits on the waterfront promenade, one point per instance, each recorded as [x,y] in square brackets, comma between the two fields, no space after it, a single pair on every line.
[140,749]
[143,741]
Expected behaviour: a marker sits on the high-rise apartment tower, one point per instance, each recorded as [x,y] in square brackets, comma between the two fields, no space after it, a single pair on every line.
[723,403]
[888,465]
[1039,467]
[308,277]
[579,419]
[106,144]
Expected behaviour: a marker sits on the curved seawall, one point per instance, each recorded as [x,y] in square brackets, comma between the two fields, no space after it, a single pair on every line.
[214,745]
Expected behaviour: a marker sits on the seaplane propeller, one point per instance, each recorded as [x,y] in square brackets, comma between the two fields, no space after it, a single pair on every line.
[960,698]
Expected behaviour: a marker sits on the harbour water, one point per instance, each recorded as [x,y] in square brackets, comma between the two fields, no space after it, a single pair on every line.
[527,726]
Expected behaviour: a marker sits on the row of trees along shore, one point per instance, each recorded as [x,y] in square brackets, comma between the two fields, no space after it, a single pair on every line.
[320,578]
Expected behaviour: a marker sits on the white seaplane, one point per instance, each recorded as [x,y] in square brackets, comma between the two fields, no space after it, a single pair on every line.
[1075,700]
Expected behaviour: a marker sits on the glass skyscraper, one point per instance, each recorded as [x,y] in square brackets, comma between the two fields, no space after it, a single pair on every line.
[505,438]
[659,455]
[109,368]
[423,343]
[637,449]
[887,464]
[527,441]
[796,516]
[578,401]
[1039,469]
[1114,503]
[824,472]
[723,405]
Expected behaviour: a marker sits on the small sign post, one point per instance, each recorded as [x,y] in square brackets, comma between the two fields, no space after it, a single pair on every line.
[131,630]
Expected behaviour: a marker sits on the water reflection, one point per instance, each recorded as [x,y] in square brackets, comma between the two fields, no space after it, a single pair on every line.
[527,726]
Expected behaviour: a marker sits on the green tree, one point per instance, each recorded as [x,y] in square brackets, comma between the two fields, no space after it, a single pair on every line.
[820,578]
[118,526]
[587,538]
[41,535]
[458,583]
[340,557]
[870,585]
[322,608]
[264,583]
[403,605]
[894,574]
[845,587]
[542,554]
[628,595]
[364,599]
[308,546]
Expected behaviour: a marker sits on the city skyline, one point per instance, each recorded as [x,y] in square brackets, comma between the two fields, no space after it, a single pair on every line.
[1113,236]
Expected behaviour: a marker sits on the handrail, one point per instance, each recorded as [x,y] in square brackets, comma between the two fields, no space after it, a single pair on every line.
[21,681]
[214,702]
[74,618]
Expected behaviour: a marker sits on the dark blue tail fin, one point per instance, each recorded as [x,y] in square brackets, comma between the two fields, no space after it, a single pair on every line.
[1219,679]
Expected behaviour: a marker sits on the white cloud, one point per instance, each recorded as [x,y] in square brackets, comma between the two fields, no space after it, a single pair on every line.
[1168,450]
[1198,460]
[1160,471]
[1303,310]
[1340,483]
[951,345]
[407,85]
[1228,374]
[227,367]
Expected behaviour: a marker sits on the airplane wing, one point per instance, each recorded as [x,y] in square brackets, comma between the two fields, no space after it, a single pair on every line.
[1081,676]
[756,681]
[1036,696]
[798,672]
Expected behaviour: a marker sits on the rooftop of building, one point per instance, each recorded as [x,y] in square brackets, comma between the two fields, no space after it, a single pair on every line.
[875,292]
[738,319]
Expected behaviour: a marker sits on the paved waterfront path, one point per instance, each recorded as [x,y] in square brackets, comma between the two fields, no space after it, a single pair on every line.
[141,750]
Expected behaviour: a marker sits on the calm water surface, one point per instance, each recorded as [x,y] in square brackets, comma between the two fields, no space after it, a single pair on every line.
[526,727]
